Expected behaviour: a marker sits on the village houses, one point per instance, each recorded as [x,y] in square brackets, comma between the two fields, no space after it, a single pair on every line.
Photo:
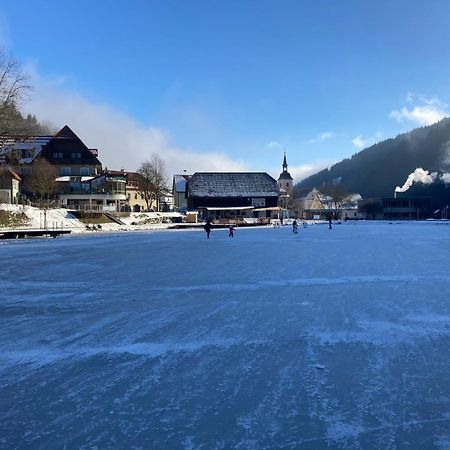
[82,184]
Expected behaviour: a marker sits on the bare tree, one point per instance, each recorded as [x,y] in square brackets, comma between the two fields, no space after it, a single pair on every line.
[13,86]
[41,184]
[285,202]
[153,181]
[334,198]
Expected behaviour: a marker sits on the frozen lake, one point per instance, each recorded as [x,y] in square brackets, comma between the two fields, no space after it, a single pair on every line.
[329,338]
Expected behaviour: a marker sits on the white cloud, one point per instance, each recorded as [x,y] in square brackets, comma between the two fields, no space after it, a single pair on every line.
[274,145]
[321,137]
[122,141]
[421,115]
[360,142]
[423,111]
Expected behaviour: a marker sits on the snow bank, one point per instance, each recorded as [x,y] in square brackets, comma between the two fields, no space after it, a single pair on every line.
[56,218]
[62,219]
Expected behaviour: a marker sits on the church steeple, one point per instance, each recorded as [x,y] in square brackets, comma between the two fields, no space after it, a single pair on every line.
[285,165]
[285,181]
[285,174]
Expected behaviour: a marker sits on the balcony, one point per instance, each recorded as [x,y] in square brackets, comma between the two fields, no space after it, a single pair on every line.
[88,208]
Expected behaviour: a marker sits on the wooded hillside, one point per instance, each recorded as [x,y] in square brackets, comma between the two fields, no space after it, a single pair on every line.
[377,170]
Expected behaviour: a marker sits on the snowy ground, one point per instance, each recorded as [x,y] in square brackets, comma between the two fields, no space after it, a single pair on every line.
[330,338]
[56,218]
[60,218]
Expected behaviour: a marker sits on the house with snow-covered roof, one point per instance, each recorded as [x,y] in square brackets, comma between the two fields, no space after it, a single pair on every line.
[313,204]
[65,151]
[68,154]
[82,184]
[233,195]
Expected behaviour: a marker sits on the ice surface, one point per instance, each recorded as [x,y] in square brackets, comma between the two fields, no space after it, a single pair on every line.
[329,338]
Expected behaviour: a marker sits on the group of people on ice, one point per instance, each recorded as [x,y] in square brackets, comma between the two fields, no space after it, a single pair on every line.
[208,227]
[231,227]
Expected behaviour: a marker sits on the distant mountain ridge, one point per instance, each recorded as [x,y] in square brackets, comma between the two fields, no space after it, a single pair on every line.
[377,170]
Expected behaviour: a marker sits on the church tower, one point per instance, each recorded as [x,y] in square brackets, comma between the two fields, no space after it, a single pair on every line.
[285,181]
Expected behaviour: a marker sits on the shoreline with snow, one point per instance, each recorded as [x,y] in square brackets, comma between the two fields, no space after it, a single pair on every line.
[62,219]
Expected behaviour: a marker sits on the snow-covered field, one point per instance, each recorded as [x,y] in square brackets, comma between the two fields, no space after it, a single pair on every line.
[330,338]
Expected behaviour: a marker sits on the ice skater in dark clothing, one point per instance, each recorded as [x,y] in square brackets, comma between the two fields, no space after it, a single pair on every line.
[329,221]
[231,233]
[295,227]
[207,228]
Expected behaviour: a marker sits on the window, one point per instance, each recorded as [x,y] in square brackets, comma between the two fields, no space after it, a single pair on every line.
[76,155]
[66,171]
[135,196]
[57,155]
[258,202]
[84,171]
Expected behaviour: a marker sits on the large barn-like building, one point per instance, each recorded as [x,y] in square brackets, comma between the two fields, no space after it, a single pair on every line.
[233,195]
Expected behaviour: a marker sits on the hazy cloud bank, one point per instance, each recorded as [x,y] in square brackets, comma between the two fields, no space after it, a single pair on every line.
[122,141]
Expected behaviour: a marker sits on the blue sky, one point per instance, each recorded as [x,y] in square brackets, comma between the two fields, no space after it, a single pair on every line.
[228,85]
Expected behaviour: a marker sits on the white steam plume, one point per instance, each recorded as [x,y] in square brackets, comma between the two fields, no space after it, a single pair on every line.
[445,177]
[418,176]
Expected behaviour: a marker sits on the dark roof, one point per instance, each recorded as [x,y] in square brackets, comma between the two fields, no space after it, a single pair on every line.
[232,184]
[122,172]
[66,133]
[134,176]
[65,141]
[285,176]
